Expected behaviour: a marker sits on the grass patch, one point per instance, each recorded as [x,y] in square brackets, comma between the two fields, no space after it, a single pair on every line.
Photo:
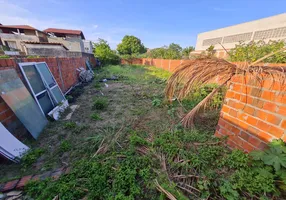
[95,116]
[100,103]
[31,157]
[65,146]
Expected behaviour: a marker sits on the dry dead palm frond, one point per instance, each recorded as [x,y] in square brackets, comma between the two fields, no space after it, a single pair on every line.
[193,74]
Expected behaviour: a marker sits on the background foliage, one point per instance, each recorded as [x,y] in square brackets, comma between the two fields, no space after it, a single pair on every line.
[131,45]
[173,51]
[252,51]
[103,51]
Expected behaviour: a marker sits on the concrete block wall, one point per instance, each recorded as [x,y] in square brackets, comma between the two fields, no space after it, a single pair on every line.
[64,71]
[253,113]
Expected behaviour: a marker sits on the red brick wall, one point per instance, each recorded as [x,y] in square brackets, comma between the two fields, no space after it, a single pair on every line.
[63,69]
[252,114]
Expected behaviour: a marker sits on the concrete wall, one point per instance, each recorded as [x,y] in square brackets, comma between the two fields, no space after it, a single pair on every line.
[46,50]
[270,28]
[88,46]
[18,39]
[73,44]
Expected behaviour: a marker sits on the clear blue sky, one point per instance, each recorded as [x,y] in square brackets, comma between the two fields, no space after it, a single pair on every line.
[155,22]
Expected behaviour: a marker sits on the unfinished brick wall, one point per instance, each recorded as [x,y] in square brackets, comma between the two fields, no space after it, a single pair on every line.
[166,64]
[253,113]
[64,71]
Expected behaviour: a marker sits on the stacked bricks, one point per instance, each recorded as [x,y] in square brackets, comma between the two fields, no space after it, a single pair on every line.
[20,183]
[63,69]
[253,113]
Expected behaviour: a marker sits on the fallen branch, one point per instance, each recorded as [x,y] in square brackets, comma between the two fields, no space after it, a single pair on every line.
[161,189]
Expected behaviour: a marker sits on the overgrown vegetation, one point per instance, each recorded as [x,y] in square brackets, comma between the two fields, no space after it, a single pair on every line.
[103,51]
[140,151]
[252,51]
[173,51]
[131,45]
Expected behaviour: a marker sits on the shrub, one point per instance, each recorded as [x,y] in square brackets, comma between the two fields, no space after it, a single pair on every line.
[104,53]
[252,51]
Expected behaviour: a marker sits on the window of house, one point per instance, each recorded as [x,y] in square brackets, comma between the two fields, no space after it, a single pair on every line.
[12,44]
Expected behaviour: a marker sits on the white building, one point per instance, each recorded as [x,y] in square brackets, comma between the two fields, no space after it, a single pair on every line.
[270,28]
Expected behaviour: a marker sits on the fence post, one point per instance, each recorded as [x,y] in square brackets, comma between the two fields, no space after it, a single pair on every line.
[60,73]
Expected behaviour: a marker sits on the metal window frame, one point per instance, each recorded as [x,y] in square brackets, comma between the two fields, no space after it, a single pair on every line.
[22,65]
[46,84]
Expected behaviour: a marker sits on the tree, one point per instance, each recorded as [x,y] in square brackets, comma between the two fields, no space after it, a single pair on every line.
[186,51]
[211,51]
[103,51]
[175,47]
[252,51]
[130,45]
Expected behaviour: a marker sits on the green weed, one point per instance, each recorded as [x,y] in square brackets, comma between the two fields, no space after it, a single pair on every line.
[31,157]
[100,103]
[65,146]
[95,116]
[156,102]
[69,125]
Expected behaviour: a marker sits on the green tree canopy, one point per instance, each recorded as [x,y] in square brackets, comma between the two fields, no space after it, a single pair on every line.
[186,51]
[252,51]
[103,51]
[130,45]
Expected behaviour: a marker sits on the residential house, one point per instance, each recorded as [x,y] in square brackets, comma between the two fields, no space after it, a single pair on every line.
[72,39]
[12,36]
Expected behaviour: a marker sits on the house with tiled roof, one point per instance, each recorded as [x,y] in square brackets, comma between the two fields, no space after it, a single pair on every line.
[12,36]
[74,40]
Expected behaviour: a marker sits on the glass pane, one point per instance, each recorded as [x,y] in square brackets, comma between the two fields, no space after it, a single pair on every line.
[34,78]
[58,95]
[19,99]
[45,102]
[43,68]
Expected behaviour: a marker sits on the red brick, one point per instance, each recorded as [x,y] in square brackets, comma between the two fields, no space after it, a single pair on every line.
[282,110]
[273,119]
[237,96]
[23,181]
[249,110]
[243,125]
[236,87]
[265,136]
[10,185]
[244,135]
[283,124]
[263,126]
[254,141]
[261,114]
[267,95]
[239,105]
[253,130]
[257,103]
[270,106]
[277,132]
[248,147]
[251,120]
[233,112]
